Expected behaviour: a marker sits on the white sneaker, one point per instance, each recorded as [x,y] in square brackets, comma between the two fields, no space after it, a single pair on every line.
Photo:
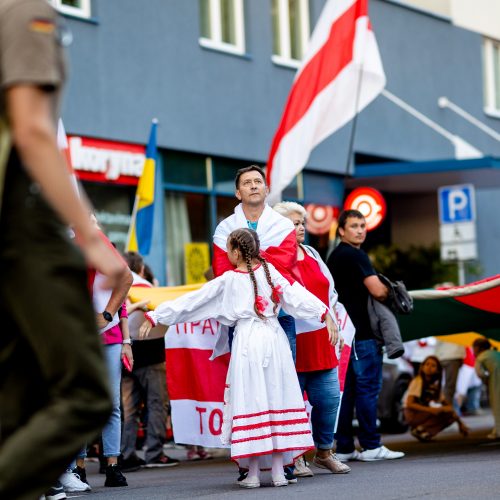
[72,484]
[345,457]
[301,469]
[380,453]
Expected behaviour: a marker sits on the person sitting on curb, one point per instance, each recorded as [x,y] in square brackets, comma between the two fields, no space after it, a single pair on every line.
[427,412]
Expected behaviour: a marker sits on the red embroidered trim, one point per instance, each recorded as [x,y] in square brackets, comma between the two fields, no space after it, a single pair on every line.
[150,319]
[256,438]
[250,415]
[273,423]
[246,272]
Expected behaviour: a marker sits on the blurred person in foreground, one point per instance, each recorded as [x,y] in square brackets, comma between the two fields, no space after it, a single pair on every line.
[53,390]
[355,280]
[317,361]
[488,369]
[426,409]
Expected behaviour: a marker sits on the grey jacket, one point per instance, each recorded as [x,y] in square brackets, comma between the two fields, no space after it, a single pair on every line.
[385,328]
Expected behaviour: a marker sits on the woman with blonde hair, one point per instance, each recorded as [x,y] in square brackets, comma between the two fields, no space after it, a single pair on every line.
[316,356]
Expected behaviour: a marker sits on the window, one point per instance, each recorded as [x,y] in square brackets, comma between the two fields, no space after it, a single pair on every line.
[290,31]
[222,25]
[491,64]
[187,220]
[79,8]
[113,206]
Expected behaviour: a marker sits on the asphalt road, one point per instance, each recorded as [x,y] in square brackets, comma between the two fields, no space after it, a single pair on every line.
[449,468]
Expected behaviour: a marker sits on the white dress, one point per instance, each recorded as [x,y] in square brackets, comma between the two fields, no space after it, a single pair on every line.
[264,408]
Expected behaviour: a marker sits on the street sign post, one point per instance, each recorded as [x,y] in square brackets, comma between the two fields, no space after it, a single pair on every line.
[457,225]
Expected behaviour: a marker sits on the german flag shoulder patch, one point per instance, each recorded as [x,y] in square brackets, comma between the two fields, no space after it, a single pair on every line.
[42,25]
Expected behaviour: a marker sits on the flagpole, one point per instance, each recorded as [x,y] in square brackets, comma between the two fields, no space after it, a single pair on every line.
[354,124]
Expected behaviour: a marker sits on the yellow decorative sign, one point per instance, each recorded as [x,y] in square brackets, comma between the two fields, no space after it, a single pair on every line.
[196,262]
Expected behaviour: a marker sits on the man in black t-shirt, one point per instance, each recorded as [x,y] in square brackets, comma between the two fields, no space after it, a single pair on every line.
[355,279]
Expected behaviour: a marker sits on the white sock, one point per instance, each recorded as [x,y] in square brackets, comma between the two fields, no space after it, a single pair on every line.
[253,467]
[277,467]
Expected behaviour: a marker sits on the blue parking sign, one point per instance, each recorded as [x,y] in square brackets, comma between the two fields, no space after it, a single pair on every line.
[456,204]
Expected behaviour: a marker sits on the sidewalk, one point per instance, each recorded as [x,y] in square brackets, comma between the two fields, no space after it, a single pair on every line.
[449,467]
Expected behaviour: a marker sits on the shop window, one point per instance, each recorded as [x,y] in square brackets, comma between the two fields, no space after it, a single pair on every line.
[491,65]
[79,8]
[290,19]
[222,25]
[187,219]
[184,169]
[225,207]
[113,206]
[225,172]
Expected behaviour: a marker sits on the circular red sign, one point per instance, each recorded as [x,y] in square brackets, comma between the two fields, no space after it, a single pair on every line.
[319,218]
[370,203]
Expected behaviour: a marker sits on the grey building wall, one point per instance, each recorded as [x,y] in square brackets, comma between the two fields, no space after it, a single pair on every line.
[139,60]
[142,59]
[488,230]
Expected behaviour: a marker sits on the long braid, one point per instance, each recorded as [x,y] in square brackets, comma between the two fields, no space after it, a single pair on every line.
[249,253]
[274,295]
[248,258]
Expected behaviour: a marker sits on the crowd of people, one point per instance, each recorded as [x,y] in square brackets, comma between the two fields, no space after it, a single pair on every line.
[69,368]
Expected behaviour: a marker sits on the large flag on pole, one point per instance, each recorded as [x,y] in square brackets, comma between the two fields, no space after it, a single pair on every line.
[340,75]
[140,231]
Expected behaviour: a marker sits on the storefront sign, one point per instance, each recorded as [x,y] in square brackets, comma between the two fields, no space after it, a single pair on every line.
[106,161]
[370,203]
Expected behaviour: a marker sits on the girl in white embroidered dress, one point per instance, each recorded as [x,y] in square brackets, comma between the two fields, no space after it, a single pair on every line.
[265,420]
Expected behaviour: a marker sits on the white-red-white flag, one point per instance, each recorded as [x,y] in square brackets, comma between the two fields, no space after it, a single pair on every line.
[341,74]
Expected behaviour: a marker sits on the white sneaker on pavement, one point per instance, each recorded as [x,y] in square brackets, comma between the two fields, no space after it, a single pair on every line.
[72,483]
[380,453]
[301,469]
[345,457]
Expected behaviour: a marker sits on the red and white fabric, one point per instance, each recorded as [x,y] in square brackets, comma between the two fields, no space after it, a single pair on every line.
[195,384]
[277,241]
[314,350]
[261,380]
[340,75]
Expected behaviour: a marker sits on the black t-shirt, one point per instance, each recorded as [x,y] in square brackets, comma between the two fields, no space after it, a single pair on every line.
[148,352]
[349,267]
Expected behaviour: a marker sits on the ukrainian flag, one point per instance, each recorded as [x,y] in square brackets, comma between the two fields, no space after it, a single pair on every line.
[141,225]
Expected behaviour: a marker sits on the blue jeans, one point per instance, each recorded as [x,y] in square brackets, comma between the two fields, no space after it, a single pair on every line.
[288,325]
[361,390]
[111,434]
[323,391]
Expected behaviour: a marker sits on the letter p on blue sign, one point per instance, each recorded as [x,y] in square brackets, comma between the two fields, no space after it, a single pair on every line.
[456,204]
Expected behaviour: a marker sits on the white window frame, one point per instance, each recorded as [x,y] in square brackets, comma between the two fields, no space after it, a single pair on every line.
[215,42]
[83,11]
[285,58]
[491,87]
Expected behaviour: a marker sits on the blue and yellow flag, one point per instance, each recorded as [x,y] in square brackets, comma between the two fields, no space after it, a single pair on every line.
[140,232]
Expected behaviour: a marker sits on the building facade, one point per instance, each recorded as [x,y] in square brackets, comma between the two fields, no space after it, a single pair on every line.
[216,74]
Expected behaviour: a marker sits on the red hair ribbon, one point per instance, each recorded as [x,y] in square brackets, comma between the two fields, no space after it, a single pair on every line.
[261,303]
[277,291]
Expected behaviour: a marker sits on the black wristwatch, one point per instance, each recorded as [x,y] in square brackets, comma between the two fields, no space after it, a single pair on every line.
[107,316]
